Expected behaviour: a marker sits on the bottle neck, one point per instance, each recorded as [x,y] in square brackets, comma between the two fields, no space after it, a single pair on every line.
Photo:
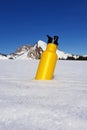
[51,47]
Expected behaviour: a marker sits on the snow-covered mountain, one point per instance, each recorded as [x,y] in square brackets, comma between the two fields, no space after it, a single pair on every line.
[2,56]
[28,51]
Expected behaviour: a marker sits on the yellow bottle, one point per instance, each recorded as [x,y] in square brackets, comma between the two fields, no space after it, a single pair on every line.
[48,60]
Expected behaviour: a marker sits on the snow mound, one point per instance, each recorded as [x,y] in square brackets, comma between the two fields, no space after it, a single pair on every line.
[42,44]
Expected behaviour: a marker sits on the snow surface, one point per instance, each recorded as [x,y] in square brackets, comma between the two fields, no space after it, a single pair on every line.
[42,44]
[28,104]
[2,57]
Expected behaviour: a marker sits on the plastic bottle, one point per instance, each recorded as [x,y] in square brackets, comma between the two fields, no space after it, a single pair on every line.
[48,60]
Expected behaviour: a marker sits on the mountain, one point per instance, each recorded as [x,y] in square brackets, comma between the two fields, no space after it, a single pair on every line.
[62,55]
[28,51]
[3,56]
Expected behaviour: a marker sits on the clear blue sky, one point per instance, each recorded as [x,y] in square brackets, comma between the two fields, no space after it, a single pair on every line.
[27,21]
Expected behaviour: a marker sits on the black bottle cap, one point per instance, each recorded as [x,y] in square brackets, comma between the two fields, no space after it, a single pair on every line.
[53,40]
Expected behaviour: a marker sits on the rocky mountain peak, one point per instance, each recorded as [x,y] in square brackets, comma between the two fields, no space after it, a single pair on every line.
[34,52]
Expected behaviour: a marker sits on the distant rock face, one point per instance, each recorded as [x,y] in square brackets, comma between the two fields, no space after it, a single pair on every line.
[34,52]
[23,48]
[31,52]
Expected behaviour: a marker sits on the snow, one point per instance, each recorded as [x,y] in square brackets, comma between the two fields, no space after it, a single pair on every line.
[28,104]
[42,44]
[62,54]
[2,57]
[23,56]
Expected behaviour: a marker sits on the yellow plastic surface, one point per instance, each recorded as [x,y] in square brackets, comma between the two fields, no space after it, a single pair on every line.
[47,63]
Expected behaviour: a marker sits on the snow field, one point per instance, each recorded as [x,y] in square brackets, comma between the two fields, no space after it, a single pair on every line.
[58,104]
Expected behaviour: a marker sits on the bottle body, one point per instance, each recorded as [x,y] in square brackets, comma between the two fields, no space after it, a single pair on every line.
[47,63]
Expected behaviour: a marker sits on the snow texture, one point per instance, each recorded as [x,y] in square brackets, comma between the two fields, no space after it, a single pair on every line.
[28,104]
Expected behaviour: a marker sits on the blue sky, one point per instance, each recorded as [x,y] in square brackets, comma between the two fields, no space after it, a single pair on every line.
[27,21]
